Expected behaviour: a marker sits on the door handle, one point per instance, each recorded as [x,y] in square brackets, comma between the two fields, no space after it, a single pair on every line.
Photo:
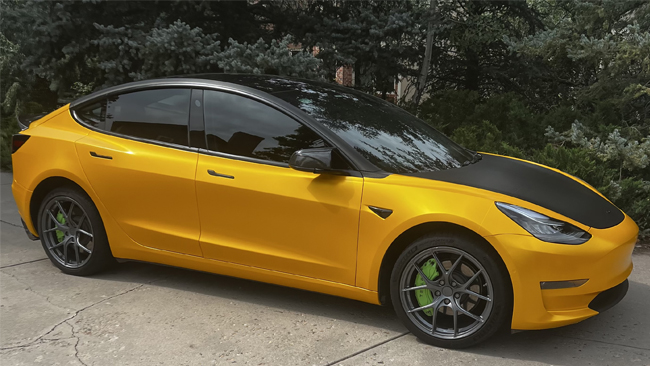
[213,173]
[96,155]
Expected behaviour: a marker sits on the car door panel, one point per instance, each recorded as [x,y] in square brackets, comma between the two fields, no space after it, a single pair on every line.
[278,218]
[147,188]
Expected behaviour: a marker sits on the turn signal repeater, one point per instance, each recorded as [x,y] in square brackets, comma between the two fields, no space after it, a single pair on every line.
[17,141]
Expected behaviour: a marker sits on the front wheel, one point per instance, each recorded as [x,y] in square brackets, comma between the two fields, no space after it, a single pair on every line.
[450,292]
[72,233]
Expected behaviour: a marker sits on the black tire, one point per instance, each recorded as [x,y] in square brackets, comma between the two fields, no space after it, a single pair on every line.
[491,282]
[79,205]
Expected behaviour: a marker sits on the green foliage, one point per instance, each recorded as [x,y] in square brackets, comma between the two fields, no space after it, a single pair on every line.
[485,137]
[518,125]
[596,55]
[625,154]
[133,54]
[9,128]
[273,58]
[633,196]
[471,53]
[575,161]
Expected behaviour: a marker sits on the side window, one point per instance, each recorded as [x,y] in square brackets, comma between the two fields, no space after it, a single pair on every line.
[160,114]
[94,114]
[241,126]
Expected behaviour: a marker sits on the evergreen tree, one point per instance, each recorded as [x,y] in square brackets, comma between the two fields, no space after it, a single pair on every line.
[380,39]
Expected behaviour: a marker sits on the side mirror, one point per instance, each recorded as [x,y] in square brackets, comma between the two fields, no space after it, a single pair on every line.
[316,160]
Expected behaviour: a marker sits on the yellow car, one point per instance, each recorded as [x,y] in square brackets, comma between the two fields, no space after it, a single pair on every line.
[323,188]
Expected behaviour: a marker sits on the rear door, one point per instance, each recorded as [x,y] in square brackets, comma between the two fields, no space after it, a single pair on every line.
[138,161]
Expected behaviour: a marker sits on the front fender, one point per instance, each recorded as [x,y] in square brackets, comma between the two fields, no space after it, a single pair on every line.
[412,205]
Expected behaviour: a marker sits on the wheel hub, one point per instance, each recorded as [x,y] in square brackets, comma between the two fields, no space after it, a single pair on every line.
[447,291]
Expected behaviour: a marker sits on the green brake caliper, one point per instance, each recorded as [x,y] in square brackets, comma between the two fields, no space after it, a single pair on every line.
[60,234]
[425,297]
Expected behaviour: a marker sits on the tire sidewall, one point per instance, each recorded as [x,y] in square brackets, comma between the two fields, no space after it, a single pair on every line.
[500,315]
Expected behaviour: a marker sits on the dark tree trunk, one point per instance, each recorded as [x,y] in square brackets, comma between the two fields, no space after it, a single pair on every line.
[472,72]
[45,97]
[357,75]
[424,69]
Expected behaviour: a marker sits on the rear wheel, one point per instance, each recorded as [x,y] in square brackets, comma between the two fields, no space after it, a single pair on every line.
[72,233]
[450,292]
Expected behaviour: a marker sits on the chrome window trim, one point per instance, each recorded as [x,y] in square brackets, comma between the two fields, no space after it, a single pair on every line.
[73,113]
[243,158]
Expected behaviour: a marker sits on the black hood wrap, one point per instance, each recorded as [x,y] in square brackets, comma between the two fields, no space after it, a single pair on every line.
[535,184]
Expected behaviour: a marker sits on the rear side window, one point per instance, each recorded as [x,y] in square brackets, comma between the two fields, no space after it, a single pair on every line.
[160,115]
[241,126]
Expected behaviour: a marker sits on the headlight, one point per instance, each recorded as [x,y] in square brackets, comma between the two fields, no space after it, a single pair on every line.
[543,227]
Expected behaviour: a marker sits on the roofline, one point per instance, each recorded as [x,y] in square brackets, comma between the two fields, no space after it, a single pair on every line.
[163,83]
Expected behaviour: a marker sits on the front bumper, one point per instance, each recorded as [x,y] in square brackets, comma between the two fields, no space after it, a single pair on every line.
[605,260]
[608,298]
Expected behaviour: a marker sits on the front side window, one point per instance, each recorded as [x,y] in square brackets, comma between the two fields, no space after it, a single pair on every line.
[241,126]
[160,115]
[389,137]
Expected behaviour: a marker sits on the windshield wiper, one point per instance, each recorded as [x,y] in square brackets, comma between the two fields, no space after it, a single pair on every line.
[476,157]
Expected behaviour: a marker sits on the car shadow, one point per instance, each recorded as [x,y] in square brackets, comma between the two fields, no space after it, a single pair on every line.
[283,299]
[625,325]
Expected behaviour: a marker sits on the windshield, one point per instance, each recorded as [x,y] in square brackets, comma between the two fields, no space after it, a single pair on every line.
[389,137]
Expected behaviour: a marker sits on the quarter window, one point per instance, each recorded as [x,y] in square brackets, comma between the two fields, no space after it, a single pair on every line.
[94,114]
[241,126]
[160,115]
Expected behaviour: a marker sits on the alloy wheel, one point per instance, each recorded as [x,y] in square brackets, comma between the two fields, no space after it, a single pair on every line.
[446,293]
[67,232]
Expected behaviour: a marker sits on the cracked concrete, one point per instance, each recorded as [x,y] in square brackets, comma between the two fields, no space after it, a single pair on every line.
[142,314]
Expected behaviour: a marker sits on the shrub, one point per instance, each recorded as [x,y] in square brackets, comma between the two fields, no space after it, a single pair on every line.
[9,127]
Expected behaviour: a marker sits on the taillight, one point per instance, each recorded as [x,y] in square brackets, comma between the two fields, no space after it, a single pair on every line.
[17,141]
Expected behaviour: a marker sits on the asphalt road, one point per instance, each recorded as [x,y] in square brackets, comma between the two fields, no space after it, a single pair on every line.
[143,314]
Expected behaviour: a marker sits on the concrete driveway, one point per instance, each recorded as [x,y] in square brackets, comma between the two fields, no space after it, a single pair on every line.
[143,314]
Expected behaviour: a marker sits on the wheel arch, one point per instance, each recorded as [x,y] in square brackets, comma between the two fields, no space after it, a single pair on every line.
[398,246]
[45,187]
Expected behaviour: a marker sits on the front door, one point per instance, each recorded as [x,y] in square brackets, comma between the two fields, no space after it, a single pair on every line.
[257,211]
